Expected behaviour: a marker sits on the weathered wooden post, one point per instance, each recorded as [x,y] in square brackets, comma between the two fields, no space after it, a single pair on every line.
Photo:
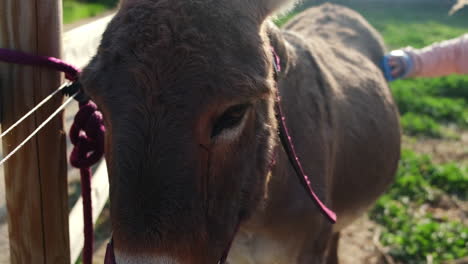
[36,177]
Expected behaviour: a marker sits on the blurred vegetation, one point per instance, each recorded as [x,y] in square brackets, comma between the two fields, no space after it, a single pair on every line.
[413,232]
[74,10]
[416,124]
[426,104]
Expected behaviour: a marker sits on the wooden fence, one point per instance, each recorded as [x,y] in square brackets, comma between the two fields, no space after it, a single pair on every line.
[41,230]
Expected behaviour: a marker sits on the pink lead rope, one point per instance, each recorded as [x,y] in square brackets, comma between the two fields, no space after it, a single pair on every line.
[17,57]
[86,134]
[288,145]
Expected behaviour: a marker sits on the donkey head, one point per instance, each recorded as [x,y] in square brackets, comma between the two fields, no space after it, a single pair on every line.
[186,88]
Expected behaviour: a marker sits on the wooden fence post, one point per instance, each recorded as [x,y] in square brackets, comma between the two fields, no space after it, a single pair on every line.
[36,177]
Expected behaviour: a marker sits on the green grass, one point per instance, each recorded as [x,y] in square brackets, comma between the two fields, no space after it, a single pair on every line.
[417,173]
[443,99]
[410,234]
[421,125]
[74,10]
[412,238]
[441,109]
[428,104]
[451,86]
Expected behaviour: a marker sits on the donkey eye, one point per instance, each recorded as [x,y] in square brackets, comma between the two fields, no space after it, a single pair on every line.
[230,118]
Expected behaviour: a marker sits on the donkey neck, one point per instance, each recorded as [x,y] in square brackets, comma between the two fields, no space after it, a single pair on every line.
[285,199]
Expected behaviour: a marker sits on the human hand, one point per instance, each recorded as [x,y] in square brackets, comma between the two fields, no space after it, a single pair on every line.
[397,64]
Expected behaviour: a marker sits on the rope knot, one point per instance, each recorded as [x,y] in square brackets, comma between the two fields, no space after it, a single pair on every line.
[87,136]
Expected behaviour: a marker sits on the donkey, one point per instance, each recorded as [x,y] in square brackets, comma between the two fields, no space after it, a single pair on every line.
[195,163]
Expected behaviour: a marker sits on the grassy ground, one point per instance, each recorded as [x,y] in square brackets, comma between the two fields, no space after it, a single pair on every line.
[424,214]
[74,10]
[416,226]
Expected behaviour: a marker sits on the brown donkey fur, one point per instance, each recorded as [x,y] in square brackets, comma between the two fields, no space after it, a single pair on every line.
[187,90]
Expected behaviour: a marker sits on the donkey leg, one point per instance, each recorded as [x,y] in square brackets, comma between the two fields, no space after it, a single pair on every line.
[315,249]
[332,257]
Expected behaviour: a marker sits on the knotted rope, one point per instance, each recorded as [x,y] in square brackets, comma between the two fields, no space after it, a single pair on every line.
[87,136]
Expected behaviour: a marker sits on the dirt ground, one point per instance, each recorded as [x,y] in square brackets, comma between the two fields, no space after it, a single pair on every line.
[359,243]
[442,150]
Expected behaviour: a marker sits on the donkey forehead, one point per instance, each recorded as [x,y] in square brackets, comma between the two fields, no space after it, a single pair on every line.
[257,8]
[172,51]
[193,61]
[219,8]
[204,15]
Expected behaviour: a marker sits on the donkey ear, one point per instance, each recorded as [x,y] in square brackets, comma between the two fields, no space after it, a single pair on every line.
[274,7]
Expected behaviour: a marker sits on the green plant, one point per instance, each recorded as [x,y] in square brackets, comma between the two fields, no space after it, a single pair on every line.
[450,86]
[410,182]
[414,238]
[279,21]
[74,10]
[421,172]
[411,235]
[453,86]
[441,109]
[450,178]
[416,125]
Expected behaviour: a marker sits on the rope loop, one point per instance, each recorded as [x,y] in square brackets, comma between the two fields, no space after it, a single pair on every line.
[87,136]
